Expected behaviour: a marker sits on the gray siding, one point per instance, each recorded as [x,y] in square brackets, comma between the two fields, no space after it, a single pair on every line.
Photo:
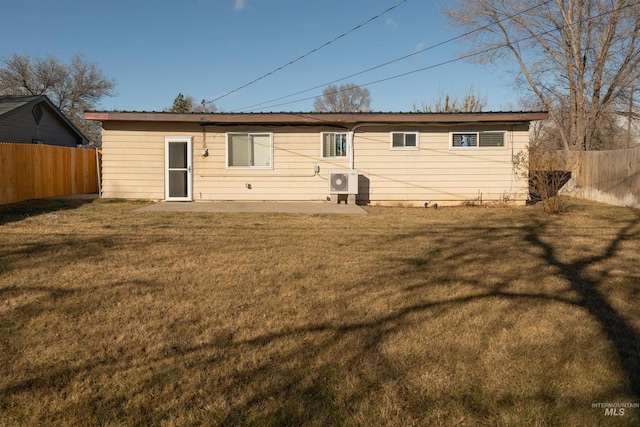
[21,126]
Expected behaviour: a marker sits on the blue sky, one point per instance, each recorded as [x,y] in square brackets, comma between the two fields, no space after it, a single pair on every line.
[155,49]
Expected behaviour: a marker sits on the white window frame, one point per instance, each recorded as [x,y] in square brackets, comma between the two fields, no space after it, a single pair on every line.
[478,134]
[249,134]
[347,148]
[404,147]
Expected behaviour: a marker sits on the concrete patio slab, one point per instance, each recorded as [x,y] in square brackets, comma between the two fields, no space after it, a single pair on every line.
[274,207]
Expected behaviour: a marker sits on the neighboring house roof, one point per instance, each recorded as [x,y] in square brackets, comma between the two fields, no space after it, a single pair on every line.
[10,104]
[344,119]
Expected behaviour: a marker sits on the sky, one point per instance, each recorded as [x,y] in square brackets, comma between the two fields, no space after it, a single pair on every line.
[155,49]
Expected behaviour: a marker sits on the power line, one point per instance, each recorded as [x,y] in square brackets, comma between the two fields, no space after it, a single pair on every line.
[311,51]
[388,78]
[458,58]
[395,60]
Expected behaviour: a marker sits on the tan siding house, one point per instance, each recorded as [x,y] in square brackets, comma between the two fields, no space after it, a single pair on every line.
[408,158]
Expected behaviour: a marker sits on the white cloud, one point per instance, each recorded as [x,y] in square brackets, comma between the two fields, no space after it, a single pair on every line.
[392,23]
[239,5]
[419,47]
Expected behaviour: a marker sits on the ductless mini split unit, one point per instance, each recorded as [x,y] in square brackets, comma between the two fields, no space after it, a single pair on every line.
[343,181]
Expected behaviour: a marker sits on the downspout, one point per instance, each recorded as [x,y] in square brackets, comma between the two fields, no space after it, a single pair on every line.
[351,150]
[352,133]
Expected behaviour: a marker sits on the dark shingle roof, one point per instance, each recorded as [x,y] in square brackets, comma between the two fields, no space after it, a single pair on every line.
[10,103]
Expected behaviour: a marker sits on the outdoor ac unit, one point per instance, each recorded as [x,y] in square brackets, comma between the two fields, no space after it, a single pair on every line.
[343,181]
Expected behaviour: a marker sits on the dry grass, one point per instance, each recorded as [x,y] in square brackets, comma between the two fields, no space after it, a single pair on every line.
[461,316]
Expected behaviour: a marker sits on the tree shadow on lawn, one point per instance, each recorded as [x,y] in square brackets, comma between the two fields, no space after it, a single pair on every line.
[29,208]
[619,332]
[58,250]
[332,371]
[364,339]
[624,339]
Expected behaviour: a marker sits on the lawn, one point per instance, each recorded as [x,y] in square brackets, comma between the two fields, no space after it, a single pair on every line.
[404,316]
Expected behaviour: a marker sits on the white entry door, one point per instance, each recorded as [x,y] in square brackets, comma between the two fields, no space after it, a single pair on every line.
[178,159]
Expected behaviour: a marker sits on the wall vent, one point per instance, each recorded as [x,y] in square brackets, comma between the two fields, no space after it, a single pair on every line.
[37,113]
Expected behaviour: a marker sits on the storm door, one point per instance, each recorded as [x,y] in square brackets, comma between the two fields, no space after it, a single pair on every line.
[178,181]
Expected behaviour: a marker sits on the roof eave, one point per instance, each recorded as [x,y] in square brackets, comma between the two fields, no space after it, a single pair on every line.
[314,118]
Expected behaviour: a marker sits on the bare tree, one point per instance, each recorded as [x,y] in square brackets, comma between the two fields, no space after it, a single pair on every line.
[348,98]
[470,103]
[73,88]
[186,104]
[579,57]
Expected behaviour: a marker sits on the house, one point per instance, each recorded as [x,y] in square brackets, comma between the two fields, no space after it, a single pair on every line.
[35,120]
[378,158]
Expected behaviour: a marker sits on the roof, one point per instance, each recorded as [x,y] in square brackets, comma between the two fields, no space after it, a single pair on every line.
[313,118]
[9,104]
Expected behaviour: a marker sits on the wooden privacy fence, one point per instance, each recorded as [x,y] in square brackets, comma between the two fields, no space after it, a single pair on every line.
[611,176]
[30,171]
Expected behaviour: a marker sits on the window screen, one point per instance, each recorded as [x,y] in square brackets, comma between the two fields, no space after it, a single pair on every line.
[464,140]
[477,139]
[249,150]
[404,140]
[492,139]
[334,144]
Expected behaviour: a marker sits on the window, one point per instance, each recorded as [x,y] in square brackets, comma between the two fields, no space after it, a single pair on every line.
[404,140]
[334,144]
[249,150]
[492,139]
[477,139]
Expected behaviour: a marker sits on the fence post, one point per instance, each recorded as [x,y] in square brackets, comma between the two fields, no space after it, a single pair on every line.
[98,173]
